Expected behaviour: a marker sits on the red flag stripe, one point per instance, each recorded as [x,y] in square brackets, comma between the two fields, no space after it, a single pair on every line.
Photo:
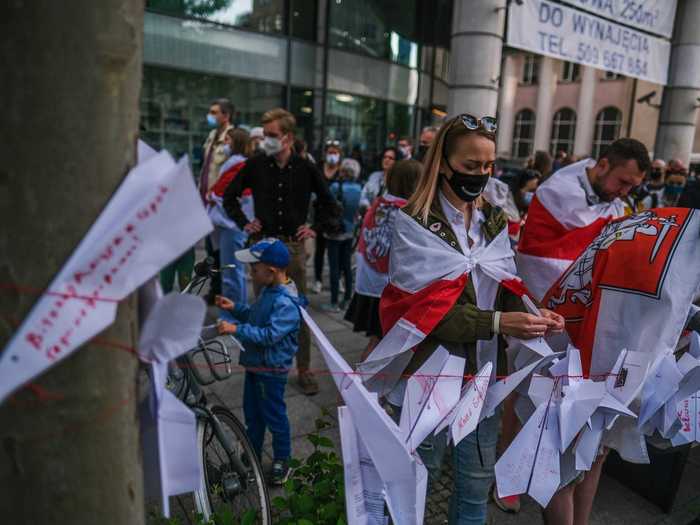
[423,309]
[544,236]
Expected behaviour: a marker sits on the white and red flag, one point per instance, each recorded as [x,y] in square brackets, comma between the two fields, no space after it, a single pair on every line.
[563,219]
[631,288]
[427,277]
[374,245]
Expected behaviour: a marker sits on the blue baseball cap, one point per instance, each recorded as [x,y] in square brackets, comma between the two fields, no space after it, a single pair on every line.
[269,251]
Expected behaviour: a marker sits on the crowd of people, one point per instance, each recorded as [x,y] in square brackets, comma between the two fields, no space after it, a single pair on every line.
[269,200]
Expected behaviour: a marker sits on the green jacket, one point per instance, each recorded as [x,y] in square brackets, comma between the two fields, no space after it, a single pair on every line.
[464,324]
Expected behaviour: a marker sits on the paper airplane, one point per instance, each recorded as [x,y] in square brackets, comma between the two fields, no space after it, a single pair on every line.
[169,427]
[364,490]
[404,477]
[153,217]
[431,393]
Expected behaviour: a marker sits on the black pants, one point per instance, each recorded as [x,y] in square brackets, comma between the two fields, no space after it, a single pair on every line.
[339,255]
[215,282]
[319,257]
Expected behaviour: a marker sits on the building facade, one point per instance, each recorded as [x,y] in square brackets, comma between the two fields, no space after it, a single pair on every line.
[552,105]
[364,72]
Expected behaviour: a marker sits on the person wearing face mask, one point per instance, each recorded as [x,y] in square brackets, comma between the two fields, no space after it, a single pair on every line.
[219,120]
[331,167]
[405,146]
[427,135]
[376,183]
[282,183]
[570,208]
[435,250]
[674,183]
[346,191]
[654,186]
[228,236]
[257,136]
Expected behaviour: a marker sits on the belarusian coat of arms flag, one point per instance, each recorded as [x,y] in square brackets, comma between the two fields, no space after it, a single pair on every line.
[632,288]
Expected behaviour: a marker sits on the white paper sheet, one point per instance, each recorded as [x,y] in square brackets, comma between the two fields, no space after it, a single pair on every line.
[660,386]
[153,217]
[431,393]
[404,478]
[499,390]
[531,463]
[364,492]
[169,436]
[580,398]
[467,413]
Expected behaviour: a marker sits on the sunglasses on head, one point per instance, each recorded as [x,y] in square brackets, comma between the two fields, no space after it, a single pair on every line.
[472,123]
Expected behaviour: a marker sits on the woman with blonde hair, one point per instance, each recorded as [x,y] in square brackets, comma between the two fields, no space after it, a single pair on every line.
[450,253]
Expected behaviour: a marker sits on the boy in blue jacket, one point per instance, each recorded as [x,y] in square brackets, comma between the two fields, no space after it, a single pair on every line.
[268,331]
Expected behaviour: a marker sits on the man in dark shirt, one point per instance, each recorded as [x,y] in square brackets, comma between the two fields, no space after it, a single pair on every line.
[282,184]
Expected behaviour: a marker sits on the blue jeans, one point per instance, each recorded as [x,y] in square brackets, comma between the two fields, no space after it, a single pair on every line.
[339,256]
[472,480]
[233,284]
[263,408]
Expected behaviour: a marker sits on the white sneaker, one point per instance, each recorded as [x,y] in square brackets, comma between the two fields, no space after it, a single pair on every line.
[317,287]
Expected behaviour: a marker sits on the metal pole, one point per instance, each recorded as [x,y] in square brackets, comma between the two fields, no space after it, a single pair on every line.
[324,94]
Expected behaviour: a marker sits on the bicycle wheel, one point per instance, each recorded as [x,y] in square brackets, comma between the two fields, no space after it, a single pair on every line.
[222,486]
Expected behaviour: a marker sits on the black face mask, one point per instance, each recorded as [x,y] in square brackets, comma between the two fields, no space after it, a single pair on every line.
[656,174]
[422,150]
[467,187]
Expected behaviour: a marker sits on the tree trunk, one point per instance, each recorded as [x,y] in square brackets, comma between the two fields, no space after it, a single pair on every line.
[70,80]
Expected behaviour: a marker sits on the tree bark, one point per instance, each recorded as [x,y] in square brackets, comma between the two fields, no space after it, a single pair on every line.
[71,76]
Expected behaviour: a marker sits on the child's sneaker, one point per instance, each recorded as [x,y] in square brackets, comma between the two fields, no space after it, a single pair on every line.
[280,472]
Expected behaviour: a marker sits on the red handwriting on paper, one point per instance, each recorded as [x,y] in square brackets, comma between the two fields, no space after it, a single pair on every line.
[95,279]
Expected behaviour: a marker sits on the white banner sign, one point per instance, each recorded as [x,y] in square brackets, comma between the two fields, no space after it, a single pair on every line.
[654,16]
[560,32]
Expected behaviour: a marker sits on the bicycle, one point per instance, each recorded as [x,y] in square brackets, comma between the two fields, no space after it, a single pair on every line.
[232,474]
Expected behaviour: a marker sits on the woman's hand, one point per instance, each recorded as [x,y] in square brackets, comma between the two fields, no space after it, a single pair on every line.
[224,302]
[523,325]
[557,320]
[224,327]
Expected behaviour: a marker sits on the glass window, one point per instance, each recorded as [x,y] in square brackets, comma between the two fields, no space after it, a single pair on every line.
[523,134]
[266,16]
[378,29]
[398,121]
[531,63]
[611,75]
[302,106]
[442,64]
[358,122]
[607,129]
[563,131]
[174,105]
[302,19]
[570,72]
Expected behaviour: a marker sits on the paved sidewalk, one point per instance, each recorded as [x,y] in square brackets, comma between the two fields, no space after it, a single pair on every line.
[615,504]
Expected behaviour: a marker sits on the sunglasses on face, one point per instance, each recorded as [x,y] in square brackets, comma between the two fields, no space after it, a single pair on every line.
[472,123]
[333,143]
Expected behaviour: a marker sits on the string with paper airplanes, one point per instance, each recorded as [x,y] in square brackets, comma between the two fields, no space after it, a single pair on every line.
[637,268]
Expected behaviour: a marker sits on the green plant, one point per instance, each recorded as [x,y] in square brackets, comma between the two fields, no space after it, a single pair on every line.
[315,492]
